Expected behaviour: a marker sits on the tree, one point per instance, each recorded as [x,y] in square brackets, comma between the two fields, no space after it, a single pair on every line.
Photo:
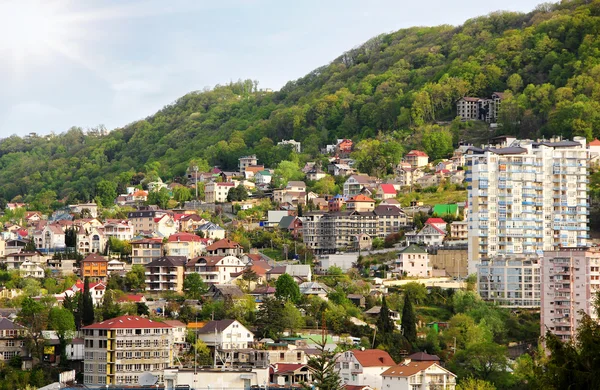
[62,321]
[237,194]
[160,198]
[437,142]
[182,194]
[249,276]
[34,317]
[134,279]
[106,191]
[201,353]
[323,369]
[474,384]
[484,360]
[385,323]
[417,291]
[194,287]
[409,320]
[325,186]
[87,309]
[270,318]
[287,289]
[291,318]
[110,307]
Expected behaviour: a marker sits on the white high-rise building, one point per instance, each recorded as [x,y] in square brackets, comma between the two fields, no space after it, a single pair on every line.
[570,280]
[526,197]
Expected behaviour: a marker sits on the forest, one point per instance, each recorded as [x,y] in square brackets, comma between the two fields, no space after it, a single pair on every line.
[394,92]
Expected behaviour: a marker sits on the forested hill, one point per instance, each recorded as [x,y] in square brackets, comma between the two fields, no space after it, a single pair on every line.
[390,92]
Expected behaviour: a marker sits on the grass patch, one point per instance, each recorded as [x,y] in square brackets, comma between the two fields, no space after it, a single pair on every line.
[433,198]
[433,313]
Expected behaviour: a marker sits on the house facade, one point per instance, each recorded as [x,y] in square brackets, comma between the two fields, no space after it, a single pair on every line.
[364,368]
[118,351]
[165,274]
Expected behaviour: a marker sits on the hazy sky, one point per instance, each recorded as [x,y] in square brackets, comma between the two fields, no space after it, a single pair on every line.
[85,62]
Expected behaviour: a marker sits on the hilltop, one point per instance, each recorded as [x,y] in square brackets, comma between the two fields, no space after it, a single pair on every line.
[397,87]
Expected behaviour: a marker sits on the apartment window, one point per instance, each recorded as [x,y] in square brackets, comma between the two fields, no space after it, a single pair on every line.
[345,365]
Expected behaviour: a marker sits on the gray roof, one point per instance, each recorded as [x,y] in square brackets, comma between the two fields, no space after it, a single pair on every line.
[168,261]
[6,324]
[412,248]
[387,210]
[215,325]
[560,144]
[286,221]
[509,150]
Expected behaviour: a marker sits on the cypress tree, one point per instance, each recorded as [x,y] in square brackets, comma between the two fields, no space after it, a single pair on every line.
[409,320]
[385,323]
[87,315]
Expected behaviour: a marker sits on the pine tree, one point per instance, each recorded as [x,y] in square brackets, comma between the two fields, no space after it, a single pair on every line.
[110,308]
[322,367]
[409,320]
[87,315]
[385,323]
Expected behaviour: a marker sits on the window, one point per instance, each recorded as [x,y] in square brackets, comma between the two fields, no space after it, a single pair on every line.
[10,343]
[345,365]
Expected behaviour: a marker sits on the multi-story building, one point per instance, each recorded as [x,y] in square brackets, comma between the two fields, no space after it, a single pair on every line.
[184,244]
[117,228]
[570,279]
[418,375]
[512,281]
[363,368]
[119,350]
[391,219]
[526,198]
[146,250]
[325,233]
[416,159]
[459,230]
[143,220]
[247,161]
[95,267]
[225,247]
[355,183]
[165,274]
[296,146]
[226,334]
[215,269]
[360,203]
[484,109]
[217,192]
[11,340]
[413,261]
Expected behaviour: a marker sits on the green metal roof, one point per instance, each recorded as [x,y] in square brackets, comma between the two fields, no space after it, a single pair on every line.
[443,209]
[412,248]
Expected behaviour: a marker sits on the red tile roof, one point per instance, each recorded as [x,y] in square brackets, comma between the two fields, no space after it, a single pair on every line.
[373,358]
[132,298]
[94,257]
[435,220]
[225,243]
[406,370]
[185,237]
[361,198]
[388,189]
[287,367]
[127,322]
[417,153]
[595,142]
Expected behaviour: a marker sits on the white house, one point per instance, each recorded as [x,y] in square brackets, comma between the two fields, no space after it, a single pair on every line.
[29,269]
[215,269]
[296,146]
[97,291]
[364,367]
[314,289]
[418,375]
[432,233]
[212,230]
[226,334]
[414,261]
[262,177]
[217,192]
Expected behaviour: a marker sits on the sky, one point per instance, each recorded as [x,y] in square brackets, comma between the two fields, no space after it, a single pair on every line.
[86,63]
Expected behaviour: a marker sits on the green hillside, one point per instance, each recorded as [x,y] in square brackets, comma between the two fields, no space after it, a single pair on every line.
[391,92]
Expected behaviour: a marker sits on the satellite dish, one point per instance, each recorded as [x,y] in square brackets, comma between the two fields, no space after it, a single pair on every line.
[147,379]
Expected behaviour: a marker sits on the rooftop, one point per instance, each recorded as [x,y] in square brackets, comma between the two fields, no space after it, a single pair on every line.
[127,322]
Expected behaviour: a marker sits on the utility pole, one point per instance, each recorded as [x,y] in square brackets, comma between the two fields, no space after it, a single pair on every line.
[196,180]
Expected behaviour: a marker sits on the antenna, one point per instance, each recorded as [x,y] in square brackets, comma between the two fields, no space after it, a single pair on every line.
[147,379]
